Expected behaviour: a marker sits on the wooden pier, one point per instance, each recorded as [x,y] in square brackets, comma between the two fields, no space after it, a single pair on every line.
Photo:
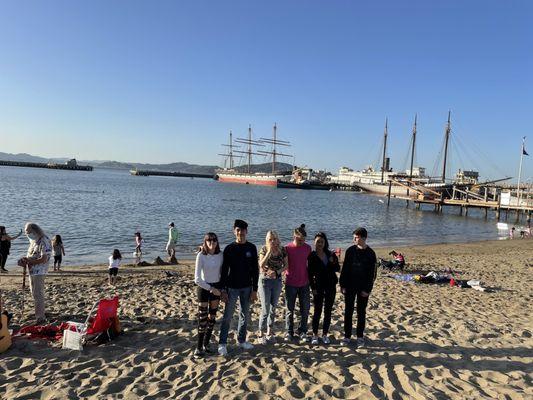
[465,199]
[70,165]
[174,174]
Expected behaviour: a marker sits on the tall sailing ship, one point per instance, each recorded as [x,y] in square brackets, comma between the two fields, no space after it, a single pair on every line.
[244,174]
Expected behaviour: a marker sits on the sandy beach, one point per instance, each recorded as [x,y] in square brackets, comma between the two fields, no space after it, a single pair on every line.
[425,341]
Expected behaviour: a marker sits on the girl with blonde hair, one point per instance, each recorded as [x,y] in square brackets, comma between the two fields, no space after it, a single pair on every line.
[272,262]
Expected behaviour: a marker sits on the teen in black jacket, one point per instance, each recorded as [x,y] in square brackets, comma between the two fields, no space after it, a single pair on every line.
[356,281]
[323,266]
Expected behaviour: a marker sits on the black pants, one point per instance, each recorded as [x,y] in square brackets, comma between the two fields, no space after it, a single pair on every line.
[349,300]
[3,259]
[324,298]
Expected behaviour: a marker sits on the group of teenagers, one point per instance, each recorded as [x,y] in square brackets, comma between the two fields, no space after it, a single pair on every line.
[241,273]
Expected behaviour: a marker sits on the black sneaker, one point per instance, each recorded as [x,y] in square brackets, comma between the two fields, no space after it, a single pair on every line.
[198,354]
[207,350]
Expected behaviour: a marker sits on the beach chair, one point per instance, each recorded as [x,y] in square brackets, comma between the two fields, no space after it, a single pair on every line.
[77,334]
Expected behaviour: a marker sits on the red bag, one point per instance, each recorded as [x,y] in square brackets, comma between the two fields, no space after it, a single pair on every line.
[105,316]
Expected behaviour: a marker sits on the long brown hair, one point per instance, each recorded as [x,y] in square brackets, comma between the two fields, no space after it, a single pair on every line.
[203,247]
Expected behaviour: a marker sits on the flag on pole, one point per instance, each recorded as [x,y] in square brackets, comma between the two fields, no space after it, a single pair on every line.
[524,152]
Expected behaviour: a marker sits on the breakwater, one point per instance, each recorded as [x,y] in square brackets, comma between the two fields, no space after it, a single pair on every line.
[176,174]
[67,166]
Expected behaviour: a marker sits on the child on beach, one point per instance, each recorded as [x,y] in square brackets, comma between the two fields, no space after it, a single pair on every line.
[114,262]
[58,251]
[139,241]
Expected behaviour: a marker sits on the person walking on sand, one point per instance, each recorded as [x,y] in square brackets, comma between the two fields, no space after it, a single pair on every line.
[239,275]
[273,261]
[37,260]
[323,268]
[172,241]
[297,284]
[356,281]
[115,260]
[5,246]
[207,277]
[58,251]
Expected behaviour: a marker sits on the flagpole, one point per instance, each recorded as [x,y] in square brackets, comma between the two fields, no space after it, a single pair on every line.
[520,169]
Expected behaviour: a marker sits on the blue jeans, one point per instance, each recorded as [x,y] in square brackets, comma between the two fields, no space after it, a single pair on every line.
[244,301]
[269,291]
[291,292]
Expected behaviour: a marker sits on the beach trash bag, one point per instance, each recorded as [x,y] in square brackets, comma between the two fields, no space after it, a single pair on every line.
[73,336]
[105,316]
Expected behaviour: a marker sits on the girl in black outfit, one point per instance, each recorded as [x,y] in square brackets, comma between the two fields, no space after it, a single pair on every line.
[322,266]
[5,245]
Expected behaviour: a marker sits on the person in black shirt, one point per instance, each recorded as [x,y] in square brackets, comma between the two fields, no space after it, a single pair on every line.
[5,245]
[323,266]
[238,278]
[356,281]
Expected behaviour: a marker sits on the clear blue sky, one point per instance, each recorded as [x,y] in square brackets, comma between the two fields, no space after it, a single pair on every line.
[165,81]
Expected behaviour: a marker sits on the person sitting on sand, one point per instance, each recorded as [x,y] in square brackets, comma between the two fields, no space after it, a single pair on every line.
[272,262]
[239,276]
[356,281]
[58,251]
[37,260]
[297,284]
[114,262]
[207,277]
[323,267]
[398,261]
[5,246]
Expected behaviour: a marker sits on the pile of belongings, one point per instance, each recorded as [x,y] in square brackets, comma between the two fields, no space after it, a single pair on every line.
[434,277]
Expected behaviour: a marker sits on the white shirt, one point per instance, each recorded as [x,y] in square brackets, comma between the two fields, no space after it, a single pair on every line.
[37,249]
[114,263]
[207,270]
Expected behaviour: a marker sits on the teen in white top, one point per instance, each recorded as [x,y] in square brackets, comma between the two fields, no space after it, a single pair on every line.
[114,263]
[207,269]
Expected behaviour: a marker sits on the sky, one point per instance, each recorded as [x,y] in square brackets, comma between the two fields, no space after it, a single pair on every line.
[166,81]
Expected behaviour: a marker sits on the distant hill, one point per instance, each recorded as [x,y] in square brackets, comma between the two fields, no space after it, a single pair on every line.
[172,167]
[23,157]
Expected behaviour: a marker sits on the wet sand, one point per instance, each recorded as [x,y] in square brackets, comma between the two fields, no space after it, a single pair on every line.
[424,341]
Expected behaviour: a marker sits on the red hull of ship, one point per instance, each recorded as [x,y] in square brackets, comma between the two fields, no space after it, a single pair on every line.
[249,180]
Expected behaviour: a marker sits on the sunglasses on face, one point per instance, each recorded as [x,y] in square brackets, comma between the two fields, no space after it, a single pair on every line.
[212,240]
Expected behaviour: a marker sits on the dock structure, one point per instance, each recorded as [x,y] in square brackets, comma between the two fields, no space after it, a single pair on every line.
[71,165]
[174,174]
[491,199]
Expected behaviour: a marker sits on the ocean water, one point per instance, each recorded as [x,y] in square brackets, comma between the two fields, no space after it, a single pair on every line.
[98,211]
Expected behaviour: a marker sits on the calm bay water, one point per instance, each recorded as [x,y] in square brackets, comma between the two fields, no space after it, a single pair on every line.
[98,211]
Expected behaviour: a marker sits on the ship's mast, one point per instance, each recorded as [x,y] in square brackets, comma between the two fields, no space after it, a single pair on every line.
[230,154]
[522,153]
[413,150]
[274,142]
[250,142]
[385,134]
[446,140]
[412,154]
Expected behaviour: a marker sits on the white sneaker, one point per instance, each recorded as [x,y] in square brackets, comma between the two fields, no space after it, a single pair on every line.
[304,338]
[345,341]
[246,345]
[288,337]
[315,340]
[222,350]
[326,340]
